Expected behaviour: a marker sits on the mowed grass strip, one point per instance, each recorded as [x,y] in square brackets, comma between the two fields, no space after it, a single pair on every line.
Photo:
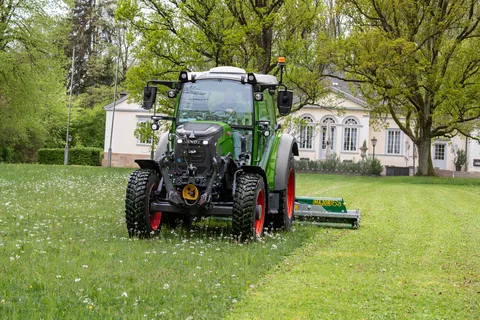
[415,256]
[65,253]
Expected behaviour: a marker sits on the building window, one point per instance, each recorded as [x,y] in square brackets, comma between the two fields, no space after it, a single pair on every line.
[393,141]
[439,152]
[144,131]
[350,135]
[306,133]
[325,125]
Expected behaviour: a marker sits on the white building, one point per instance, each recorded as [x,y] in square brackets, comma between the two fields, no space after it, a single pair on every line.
[348,130]
[344,116]
[126,147]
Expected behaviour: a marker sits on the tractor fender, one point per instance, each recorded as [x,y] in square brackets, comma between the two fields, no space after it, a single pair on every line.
[148,164]
[287,146]
[161,147]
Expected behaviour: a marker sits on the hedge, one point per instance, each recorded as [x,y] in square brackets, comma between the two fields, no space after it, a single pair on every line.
[77,156]
[333,164]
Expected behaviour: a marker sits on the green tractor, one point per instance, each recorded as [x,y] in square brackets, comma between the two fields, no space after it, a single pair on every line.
[224,155]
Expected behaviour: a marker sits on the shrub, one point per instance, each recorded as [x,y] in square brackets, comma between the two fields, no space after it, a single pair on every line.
[372,167]
[77,156]
[301,165]
[313,165]
[332,162]
[6,154]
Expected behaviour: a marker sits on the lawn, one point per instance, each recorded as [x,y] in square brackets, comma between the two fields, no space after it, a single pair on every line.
[65,254]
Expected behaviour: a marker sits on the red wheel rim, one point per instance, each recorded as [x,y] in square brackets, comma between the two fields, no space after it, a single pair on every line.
[155,217]
[290,193]
[261,220]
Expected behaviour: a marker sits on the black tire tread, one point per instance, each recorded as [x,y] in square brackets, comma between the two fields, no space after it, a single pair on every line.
[136,203]
[243,217]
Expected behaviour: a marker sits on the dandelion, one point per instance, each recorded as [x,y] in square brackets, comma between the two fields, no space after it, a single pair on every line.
[90,307]
[166,286]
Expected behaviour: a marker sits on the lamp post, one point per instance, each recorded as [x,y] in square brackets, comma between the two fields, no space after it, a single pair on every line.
[374,143]
[109,163]
[68,139]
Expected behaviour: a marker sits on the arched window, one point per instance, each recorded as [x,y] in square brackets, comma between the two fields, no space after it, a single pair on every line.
[328,122]
[306,132]
[350,134]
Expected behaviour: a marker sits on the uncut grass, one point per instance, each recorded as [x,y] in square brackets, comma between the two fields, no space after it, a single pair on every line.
[65,254]
[415,256]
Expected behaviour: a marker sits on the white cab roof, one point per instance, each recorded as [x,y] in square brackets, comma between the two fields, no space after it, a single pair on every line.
[232,73]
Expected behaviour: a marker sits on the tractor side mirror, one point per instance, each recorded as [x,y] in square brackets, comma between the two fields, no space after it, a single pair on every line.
[149,97]
[284,102]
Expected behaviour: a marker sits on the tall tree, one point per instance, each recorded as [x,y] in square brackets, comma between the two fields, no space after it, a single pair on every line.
[199,34]
[93,36]
[417,61]
[31,77]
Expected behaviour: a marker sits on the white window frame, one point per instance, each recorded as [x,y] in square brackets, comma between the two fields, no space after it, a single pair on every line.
[353,132]
[149,140]
[333,130]
[394,142]
[437,148]
[305,136]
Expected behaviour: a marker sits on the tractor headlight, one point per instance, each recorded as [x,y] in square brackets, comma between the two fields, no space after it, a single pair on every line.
[179,141]
[205,142]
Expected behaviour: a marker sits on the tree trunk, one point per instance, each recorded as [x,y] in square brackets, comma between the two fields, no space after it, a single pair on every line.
[425,163]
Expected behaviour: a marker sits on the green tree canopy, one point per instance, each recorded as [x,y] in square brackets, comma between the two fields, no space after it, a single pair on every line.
[31,77]
[199,34]
[417,61]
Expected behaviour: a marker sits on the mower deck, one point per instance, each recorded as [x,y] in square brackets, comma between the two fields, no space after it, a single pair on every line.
[326,210]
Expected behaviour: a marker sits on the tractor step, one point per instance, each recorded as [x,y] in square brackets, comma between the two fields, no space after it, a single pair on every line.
[326,210]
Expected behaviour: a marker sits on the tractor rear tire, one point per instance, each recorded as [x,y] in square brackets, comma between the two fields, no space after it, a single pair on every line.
[249,208]
[286,206]
[140,220]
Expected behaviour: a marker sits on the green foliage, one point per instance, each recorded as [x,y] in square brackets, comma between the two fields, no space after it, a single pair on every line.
[373,167]
[31,84]
[197,35]
[417,61]
[333,163]
[6,154]
[77,156]
[461,157]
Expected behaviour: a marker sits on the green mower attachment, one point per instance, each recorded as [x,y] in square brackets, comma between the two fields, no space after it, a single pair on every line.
[327,210]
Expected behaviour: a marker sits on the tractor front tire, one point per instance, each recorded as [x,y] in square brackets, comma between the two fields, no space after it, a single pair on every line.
[140,220]
[286,205]
[249,208]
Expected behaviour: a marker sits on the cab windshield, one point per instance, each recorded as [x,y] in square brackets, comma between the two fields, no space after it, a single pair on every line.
[216,100]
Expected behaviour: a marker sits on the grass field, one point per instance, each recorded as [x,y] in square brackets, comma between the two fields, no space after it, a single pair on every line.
[65,254]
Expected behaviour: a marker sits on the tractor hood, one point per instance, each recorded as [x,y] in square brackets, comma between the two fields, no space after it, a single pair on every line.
[217,137]
[193,130]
